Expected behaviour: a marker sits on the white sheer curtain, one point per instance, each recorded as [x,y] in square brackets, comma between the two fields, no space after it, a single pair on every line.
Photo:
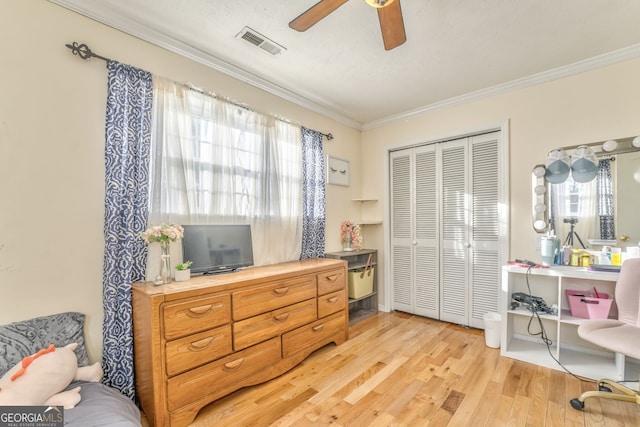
[216,162]
[575,200]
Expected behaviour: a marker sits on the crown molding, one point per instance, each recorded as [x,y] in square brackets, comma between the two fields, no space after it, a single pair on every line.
[107,17]
[596,62]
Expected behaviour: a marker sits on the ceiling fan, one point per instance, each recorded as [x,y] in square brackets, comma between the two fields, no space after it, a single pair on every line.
[389,14]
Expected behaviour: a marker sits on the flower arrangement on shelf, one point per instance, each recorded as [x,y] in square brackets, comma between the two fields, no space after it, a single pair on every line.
[164,233]
[350,236]
[184,266]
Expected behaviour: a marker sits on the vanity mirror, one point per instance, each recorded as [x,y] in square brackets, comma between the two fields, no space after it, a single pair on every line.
[599,199]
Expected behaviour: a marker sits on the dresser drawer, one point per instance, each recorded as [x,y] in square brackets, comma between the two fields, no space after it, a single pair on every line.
[255,329]
[331,281]
[249,302]
[307,336]
[195,350]
[331,303]
[185,318]
[185,388]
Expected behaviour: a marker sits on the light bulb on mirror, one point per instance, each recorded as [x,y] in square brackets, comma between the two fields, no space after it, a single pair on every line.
[610,145]
[540,207]
[539,224]
[539,171]
[540,189]
[636,142]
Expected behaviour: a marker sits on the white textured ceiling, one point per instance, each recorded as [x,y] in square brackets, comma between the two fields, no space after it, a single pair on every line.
[455,49]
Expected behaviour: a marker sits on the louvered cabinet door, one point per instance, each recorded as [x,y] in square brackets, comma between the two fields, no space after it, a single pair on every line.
[445,229]
[402,200]
[484,283]
[426,233]
[454,295]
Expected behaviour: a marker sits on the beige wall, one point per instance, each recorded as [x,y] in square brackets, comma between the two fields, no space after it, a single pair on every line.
[52,107]
[593,106]
[52,138]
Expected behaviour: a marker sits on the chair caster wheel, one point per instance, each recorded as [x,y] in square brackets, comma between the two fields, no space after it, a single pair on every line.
[576,404]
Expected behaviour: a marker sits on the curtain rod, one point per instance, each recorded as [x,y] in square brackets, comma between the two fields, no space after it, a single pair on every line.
[84,52]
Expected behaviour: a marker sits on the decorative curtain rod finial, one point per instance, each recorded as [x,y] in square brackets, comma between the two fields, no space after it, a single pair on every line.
[328,136]
[83,51]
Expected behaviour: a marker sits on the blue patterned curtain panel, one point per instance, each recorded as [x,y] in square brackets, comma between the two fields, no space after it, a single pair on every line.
[128,139]
[313,204]
[605,200]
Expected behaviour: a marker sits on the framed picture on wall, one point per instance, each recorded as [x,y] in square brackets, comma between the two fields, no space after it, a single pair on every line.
[337,171]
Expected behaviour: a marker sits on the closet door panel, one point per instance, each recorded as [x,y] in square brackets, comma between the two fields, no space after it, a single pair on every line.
[426,271]
[454,301]
[484,261]
[402,260]
[402,277]
[485,287]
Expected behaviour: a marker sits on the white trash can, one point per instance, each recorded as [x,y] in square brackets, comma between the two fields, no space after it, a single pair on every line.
[492,329]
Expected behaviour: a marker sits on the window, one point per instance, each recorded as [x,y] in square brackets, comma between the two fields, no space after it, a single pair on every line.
[216,162]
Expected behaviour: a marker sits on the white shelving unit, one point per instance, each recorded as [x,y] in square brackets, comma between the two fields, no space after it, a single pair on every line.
[576,355]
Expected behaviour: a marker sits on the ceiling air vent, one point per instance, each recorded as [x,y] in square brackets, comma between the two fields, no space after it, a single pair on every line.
[257,39]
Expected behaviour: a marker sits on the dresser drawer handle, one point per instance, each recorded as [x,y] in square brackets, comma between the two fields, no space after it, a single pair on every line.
[318,328]
[234,364]
[200,311]
[332,278]
[332,300]
[202,344]
[281,291]
[279,318]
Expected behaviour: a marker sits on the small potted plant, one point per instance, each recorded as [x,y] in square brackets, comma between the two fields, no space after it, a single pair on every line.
[183,272]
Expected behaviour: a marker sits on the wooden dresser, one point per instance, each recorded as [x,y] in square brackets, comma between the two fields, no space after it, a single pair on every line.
[200,340]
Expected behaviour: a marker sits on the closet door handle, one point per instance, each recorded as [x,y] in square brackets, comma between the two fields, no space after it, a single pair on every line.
[467,245]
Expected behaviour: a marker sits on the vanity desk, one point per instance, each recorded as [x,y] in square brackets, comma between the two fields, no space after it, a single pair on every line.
[577,355]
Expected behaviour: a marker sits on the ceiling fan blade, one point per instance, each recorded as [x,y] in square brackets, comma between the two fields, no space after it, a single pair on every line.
[392,25]
[315,13]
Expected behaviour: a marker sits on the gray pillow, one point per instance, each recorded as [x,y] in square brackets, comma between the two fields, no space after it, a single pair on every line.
[21,339]
[101,405]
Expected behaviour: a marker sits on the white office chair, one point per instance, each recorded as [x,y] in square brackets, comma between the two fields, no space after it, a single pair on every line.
[621,335]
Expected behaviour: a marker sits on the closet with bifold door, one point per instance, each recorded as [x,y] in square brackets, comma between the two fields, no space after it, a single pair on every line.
[445,241]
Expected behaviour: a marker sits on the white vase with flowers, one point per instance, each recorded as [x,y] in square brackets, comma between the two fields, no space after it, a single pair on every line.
[164,234]
[350,236]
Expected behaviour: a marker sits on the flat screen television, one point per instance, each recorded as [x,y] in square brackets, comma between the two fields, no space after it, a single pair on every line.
[217,248]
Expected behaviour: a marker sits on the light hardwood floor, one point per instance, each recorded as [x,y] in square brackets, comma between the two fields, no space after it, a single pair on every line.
[403,370]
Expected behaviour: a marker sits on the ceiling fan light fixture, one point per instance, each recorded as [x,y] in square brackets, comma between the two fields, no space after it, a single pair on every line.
[379,3]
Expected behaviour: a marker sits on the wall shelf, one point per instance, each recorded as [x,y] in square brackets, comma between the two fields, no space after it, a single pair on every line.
[367,222]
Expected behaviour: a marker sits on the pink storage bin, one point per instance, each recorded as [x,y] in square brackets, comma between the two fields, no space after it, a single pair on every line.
[586,305]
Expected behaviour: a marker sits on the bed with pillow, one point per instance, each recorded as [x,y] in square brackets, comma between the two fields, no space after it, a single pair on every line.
[100,405]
